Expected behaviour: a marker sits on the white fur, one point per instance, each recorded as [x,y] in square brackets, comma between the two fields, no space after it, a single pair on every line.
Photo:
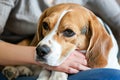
[112,57]
[53,57]
[44,75]
[56,49]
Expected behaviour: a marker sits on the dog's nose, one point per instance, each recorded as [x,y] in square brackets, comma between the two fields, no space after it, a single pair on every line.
[42,50]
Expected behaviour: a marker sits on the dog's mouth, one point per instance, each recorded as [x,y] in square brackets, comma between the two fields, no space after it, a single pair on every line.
[44,55]
[42,59]
[47,55]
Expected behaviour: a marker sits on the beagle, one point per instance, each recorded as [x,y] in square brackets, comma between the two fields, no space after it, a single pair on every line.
[66,27]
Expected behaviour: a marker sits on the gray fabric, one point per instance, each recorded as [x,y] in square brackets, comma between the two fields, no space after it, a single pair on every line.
[5,8]
[108,10]
[23,18]
[18,18]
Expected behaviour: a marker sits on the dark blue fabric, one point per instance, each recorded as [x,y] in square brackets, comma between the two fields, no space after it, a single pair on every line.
[26,78]
[2,77]
[93,74]
[96,74]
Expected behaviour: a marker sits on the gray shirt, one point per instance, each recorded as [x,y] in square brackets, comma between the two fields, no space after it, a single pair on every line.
[18,18]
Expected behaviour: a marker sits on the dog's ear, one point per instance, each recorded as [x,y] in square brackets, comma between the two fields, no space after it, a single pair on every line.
[38,36]
[100,44]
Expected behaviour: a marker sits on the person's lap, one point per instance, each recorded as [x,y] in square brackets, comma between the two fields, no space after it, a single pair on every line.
[97,74]
[94,74]
[2,77]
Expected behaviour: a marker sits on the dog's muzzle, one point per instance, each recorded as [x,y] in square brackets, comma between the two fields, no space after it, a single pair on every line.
[41,51]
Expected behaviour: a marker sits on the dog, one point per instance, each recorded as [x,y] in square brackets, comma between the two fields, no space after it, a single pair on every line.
[66,27]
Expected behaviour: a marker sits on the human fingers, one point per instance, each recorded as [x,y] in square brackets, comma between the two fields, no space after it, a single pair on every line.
[69,69]
[78,54]
[69,66]
[79,66]
[75,62]
[65,69]
[78,57]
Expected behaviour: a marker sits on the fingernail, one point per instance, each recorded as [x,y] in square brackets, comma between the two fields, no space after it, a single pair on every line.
[87,68]
[71,71]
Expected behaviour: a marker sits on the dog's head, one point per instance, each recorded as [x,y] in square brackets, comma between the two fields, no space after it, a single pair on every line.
[66,27]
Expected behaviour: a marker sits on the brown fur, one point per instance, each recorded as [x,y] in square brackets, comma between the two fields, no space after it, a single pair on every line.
[100,44]
[96,41]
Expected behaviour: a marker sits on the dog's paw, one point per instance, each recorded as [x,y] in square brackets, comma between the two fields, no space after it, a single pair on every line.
[44,75]
[10,72]
[58,76]
[24,71]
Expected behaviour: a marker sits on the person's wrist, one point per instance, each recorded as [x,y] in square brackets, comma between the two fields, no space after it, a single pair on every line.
[32,56]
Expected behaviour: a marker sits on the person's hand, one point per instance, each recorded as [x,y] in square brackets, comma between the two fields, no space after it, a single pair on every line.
[75,62]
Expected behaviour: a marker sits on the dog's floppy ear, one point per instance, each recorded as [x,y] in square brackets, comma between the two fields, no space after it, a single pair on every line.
[38,36]
[100,44]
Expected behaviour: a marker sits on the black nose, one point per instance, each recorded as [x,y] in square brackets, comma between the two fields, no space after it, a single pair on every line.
[42,50]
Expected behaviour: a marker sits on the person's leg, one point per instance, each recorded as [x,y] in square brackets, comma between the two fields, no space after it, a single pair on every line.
[93,74]
[2,77]
[96,74]
[26,78]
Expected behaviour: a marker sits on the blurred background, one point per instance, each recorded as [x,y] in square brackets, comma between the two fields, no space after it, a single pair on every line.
[118,1]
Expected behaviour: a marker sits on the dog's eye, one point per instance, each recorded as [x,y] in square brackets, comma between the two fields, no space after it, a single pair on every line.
[68,33]
[45,26]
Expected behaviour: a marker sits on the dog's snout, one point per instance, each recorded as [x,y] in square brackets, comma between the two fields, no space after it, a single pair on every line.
[42,50]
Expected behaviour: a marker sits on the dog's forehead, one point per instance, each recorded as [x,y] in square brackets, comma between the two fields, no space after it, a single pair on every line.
[56,26]
[59,20]
[70,17]
[57,10]
[74,19]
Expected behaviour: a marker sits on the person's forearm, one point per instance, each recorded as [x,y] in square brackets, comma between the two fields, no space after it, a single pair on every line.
[11,54]
[19,55]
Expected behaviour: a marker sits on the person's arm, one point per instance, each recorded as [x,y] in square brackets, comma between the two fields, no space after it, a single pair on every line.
[11,54]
